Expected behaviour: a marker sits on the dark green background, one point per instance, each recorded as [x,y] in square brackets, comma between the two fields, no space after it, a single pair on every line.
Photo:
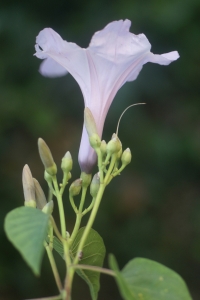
[153,209]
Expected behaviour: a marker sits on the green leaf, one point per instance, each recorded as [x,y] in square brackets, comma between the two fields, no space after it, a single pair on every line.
[58,246]
[26,228]
[93,254]
[144,279]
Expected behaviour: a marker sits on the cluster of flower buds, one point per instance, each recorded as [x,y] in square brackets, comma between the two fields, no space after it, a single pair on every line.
[113,149]
[110,157]
[33,193]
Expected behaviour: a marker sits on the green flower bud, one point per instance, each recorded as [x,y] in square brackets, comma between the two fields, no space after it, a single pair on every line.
[69,176]
[67,162]
[67,235]
[48,208]
[28,187]
[47,177]
[103,148]
[114,145]
[119,154]
[86,179]
[39,195]
[126,157]
[89,122]
[95,141]
[94,186]
[46,157]
[75,187]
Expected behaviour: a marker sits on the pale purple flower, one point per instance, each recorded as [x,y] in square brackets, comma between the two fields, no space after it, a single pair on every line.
[113,57]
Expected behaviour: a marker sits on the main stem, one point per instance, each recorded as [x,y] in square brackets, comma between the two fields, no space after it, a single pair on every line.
[90,221]
[103,183]
[71,270]
[63,231]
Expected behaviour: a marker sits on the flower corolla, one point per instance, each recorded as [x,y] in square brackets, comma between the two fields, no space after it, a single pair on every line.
[114,56]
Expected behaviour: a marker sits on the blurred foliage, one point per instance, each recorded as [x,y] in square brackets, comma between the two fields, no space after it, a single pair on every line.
[153,209]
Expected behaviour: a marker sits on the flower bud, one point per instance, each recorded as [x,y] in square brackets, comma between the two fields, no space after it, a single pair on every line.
[75,187]
[103,148]
[47,177]
[69,176]
[114,145]
[28,187]
[95,141]
[39,195]
[89,122]
[67,162]
[46,157]
[119,154]
[94,186]
[126,157]
[48,208]
[86,179]
[67,235]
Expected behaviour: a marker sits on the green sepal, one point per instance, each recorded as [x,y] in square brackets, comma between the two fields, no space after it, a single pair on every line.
[26,228]
[144,279]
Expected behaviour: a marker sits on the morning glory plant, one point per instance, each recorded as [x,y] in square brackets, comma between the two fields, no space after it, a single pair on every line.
[114,57]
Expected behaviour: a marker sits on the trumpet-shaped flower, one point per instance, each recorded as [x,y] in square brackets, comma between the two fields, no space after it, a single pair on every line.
[113,57]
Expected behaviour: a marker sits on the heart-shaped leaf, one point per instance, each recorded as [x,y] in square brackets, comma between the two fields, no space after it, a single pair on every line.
[93,254]
[144,279]
[26,228]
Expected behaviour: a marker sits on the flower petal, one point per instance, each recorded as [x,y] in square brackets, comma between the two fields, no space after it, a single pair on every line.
[50,68]
[68,55]
[115,41]
[163,59]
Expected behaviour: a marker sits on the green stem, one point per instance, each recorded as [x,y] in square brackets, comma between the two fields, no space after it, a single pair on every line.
[71,271]
[100,164]
[64,182]
[54,267]
[112,164]
[60,207]
[63,224]
[79,215]
[89,207]
[57,232]
[103,183]
[119,171]
[95,208]
[95,269]
[51,190]
[51,237]
[84,190]
[50,195]
[106,161]
[73,204]
[76,227]
[90,221]
[68,283]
